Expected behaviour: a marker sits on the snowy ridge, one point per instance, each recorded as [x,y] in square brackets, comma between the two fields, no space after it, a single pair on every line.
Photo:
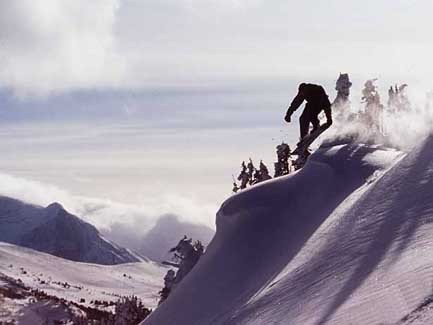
[55,231]
[346,240]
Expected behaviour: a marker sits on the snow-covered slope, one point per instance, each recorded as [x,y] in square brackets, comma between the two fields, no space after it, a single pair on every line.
[85,281]
[346,240]
[53,230]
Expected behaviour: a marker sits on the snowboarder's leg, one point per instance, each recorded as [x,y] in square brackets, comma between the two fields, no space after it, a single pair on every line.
[309,115]
[304,122]
[315,121]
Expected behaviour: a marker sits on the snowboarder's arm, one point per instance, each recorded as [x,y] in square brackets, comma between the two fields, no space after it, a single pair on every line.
[296,102]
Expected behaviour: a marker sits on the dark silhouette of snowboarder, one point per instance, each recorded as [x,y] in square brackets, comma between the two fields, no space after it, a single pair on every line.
[317,101]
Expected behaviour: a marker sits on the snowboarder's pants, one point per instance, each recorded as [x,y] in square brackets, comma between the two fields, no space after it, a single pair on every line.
[309,115]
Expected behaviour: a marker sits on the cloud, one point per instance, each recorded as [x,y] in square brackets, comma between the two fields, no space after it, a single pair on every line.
[105,213]
[56,45]
[156,242]
[148,231]
[32,191]
[221,4]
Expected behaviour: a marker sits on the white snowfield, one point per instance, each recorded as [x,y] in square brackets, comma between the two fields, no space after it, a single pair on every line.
[87,281]
[346,240]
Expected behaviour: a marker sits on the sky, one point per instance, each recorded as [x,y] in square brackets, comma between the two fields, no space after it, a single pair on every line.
[148,107]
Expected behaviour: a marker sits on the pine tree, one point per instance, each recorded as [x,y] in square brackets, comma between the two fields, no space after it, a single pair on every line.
[187,254]
[130,310]
[243,176]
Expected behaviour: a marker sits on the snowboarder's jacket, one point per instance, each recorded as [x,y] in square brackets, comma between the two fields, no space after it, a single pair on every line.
[316,98]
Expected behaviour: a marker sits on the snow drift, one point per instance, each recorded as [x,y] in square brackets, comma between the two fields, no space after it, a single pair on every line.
[346,240]
[55,231]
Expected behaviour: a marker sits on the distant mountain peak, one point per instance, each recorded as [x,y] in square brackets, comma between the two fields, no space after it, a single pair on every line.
[55,231]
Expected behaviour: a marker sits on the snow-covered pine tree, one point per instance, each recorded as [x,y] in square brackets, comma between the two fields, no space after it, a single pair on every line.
[373,112]
[282,164]
[243,177]
[186,255]
[250,171]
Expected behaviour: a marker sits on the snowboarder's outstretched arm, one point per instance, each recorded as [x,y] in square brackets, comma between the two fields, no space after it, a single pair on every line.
[296,102]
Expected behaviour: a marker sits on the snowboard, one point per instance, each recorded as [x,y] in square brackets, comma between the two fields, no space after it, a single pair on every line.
[302,147]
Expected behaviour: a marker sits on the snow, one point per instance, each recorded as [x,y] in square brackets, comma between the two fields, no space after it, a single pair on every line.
[43,311]
[420,316]
[346,240]
[89,281]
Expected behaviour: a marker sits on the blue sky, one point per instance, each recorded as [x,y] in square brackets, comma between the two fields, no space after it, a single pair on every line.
[128,100]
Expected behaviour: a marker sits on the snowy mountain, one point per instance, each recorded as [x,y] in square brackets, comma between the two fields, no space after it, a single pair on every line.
[156,242]
[166,234]
[55,231]
[346,240]
[79,283]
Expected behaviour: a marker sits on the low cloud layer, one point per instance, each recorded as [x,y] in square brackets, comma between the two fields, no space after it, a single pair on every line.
[103,213]
[157,242]
[134,227]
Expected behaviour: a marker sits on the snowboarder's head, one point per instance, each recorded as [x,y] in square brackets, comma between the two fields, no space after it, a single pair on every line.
[302,87]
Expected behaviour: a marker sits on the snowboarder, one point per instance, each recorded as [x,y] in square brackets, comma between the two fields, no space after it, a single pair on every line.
[317,101]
